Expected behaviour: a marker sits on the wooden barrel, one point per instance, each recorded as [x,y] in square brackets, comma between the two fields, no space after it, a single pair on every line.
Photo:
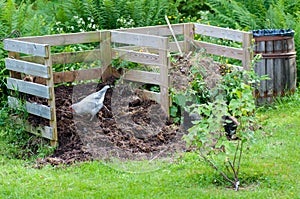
[278,62]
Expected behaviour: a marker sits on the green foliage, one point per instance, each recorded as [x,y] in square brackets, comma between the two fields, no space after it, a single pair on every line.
[14,141]
[227,122]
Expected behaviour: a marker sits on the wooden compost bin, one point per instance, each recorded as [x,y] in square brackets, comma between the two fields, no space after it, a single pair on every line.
[278,62]
[33,56]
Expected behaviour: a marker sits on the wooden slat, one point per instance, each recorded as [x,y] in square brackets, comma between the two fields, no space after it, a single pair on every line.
[133,56]
[173,47]
[76,57]
[43,131]
[188,37]
[162,30]
[106,55]
[68,57]
[213,31]
[226,51]
[138,39]
[247,51]
[164,79]
[145,94]
[51,101]
[33,108]
[64,39]
[78,75]
[142,76]
[25,47]
[260,70]
[28,87]
[27,67]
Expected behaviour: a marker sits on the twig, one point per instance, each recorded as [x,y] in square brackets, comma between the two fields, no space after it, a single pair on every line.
[233,170]
[236,150]
[173,34]
[239,163]
[217,169]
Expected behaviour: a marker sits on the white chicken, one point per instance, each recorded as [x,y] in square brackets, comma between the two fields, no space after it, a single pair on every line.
[91,104]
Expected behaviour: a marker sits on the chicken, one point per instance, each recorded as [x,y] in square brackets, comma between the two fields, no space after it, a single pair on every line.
[91,104]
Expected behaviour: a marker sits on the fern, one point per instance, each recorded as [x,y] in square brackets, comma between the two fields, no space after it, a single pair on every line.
[8,14]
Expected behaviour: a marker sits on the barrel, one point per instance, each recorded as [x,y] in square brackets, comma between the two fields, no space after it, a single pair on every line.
[278,62]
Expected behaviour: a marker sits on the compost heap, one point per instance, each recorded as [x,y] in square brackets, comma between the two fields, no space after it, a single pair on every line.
[128,127]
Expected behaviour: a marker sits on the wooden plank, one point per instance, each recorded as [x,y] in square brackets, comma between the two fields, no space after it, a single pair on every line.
[25,47]
[293,73]
[226,51]
[161,30]
[164,78]
[106,55]
[138,39]
[188,37]
[173,47]
[64,39]
[278,77]
[134,56]
[33,108]
[145,94]
[68,57]
[247,50]
[142,76]
[270,83]
[76,57]
[51,101]
[13,74]
[43,131]
[260,70]
[27,67]
[218,32]
[28,87]
[78,75]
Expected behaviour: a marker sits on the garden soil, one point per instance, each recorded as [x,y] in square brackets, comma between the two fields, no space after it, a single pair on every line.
[107,136]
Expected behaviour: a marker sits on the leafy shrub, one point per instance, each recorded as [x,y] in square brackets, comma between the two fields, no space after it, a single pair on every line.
[226,121]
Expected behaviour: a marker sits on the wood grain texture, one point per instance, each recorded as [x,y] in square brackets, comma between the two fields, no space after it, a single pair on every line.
[28,87]
[64,39]
[25,47]
[33,108]
[134,56]
[27,67]
[138,39]
[162,30]
[236,53]
[142,76]
[213,31]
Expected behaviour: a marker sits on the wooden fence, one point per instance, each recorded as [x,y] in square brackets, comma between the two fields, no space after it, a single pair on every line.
[32,56]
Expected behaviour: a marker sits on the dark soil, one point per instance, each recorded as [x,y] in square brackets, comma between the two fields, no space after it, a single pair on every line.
[125,132]
[130,128]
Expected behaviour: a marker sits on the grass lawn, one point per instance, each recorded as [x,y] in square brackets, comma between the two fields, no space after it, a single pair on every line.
[270,169]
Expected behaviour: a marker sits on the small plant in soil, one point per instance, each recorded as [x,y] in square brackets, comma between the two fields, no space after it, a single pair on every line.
[226,121]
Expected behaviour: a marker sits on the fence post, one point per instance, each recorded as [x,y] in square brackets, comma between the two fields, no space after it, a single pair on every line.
[164,76]
[51,101]
[105,54]
[188,31]
[247,51]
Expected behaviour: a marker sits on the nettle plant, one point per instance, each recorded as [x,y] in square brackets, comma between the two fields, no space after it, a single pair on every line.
[226,122]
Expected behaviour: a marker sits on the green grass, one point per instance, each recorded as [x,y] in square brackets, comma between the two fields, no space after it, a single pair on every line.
[270,169]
